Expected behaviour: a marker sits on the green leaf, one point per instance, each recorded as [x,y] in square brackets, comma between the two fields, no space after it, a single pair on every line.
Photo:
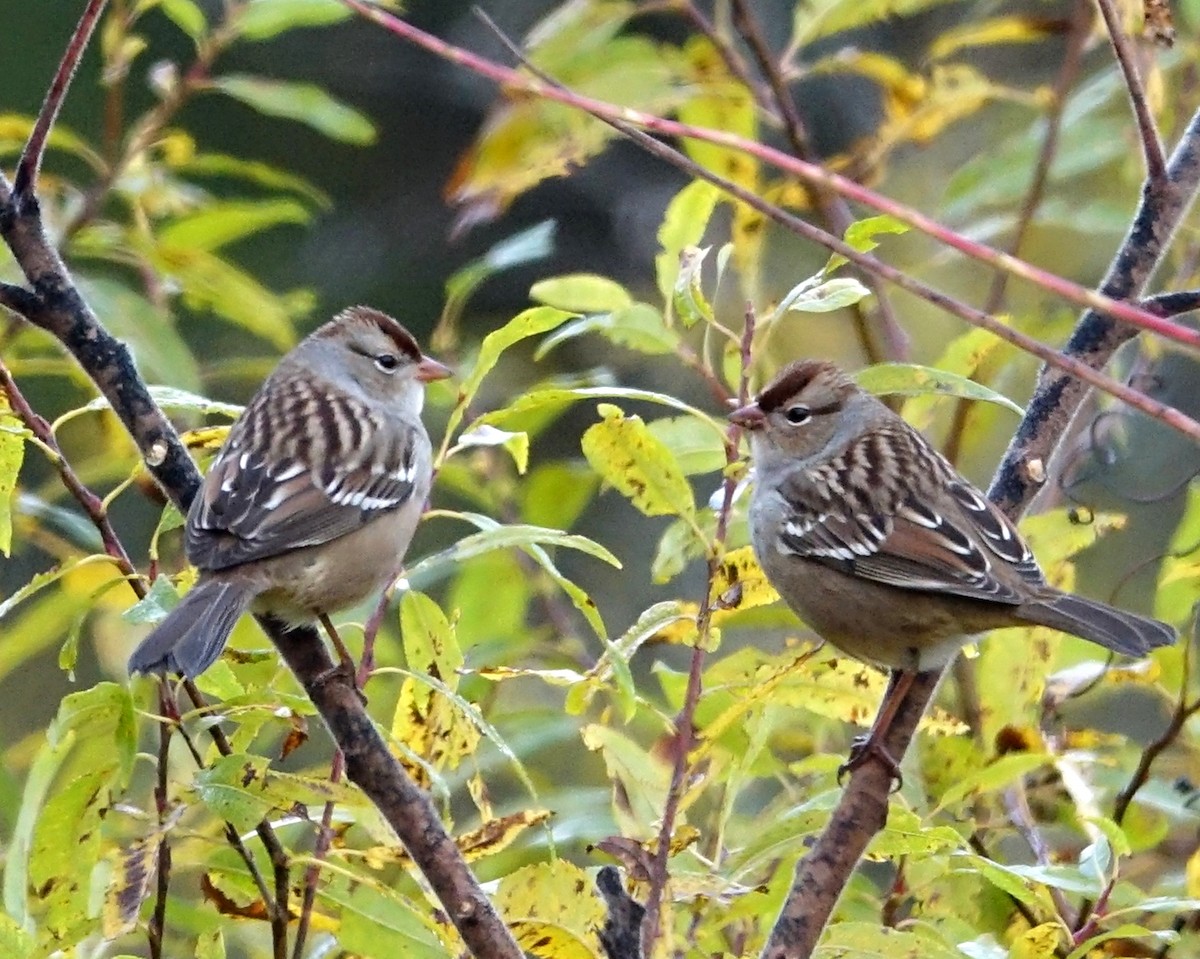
[992,777]
[688,302]
[861,236]
[562,396]
[910,379]
[817,295]
[171,398]
[264,19]
[639,327]
[161,352]
[695,447]
[581,293]
[517,444]
[12,455]
[683,226]
[531,322]
[302,102]
[159,600]
[223,166]
[378,921]
[185,15]
[638,464]
[219,224]
[15,942]
[557,493]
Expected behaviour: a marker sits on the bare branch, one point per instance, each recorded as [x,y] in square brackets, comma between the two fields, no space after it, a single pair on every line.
[1156,167]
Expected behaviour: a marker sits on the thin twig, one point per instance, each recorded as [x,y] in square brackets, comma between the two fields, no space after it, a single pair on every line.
[30,162]
[684,732]
[1156,165]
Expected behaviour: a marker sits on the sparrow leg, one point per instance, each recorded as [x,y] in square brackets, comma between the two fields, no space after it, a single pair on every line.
[345,664]
[871,745]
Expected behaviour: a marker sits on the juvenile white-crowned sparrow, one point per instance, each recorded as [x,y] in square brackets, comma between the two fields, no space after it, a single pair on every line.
[311,503]
[883,549]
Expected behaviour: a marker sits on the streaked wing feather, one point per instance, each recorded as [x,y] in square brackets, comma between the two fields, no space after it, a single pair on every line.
[886,532]
[249,509]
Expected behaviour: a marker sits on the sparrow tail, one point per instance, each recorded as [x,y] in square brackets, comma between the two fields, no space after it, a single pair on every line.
[192,636]
[1098,622]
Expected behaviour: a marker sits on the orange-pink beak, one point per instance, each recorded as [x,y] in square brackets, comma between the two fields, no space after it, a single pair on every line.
[749,417]
[430,369]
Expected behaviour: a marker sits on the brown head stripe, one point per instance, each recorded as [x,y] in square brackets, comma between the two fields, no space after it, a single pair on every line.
[391,328]
[795,378]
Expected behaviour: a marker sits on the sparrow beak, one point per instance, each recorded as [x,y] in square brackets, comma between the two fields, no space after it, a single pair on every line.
[430,369]
[749,417]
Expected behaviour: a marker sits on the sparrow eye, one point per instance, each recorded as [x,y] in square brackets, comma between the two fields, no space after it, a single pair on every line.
[796,415]
[388,362]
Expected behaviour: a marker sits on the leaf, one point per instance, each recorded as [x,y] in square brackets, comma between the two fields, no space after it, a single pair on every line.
[172,398]
[552,911]
[378,921]
[581,293]
[531,322]
[822,297]
[688,302]
[557,493]
[223,166]
[996,775]
[12,455]
[640,779]
[517,444]
[631,459]
[218,224]
[302,102]
[683,226]
[910,379]
[563,396]
[696,448]
[639,327]
[861,236]
[159,600]
[265,19]
[185,15]
[741,584]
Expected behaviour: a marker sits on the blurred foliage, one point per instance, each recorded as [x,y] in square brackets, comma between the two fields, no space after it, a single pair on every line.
[504,683]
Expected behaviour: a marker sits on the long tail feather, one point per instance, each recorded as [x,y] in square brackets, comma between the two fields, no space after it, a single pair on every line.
[192,636]
[1111,628]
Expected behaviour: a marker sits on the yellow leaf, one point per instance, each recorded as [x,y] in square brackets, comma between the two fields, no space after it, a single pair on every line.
[740,584]
[12,453]
[1038,943]
[552,910]
[497,834]
[1014,29]
[633,460]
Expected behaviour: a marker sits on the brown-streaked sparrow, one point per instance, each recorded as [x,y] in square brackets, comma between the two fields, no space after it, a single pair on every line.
[879,545]
[311,503]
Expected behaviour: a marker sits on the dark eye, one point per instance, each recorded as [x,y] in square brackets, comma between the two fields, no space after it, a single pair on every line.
[797,414]
[387,362]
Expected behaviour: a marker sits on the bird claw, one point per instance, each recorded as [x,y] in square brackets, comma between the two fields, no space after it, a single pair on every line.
[864,748]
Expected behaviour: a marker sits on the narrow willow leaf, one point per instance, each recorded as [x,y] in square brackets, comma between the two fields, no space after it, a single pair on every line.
[816,295]
[264,19]
[638,464]
[222,165]
[516,444]
[12,455]
[303,102]
[219,224]
[42,580]
[185,15]
[639,327]
[910,379]
[551,910]
[531,322]
[640,779]
[429,641]
[688,302]
[379,921]
[562,396]
[861,236]
[171,398]
[991,778]
[683,226]
[581,293]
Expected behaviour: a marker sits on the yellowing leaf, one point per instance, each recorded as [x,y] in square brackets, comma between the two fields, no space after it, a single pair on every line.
[1015,29]
[640,779]
[630,458]
[741,584]
[1040,942]
[495,835]
[552,910]
[683,226]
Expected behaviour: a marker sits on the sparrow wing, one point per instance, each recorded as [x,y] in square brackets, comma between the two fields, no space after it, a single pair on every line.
[874,512]
[302,466]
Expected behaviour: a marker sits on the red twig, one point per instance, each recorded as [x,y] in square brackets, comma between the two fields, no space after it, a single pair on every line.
[809,172]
